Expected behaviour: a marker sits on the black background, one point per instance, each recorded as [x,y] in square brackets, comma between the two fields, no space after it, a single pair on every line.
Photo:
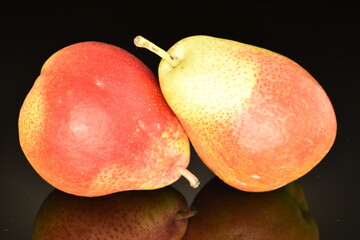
[322,37]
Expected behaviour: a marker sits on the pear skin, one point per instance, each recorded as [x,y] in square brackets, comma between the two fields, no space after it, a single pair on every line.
[160,214]
[95,122]
[256,118]
[226,213]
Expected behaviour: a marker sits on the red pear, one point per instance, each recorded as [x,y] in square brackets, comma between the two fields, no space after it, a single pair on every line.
[226,213]
[160,214]
[95,122]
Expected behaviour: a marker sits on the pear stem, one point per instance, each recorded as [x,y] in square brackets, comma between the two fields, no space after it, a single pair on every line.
[185,214]
[142,42]
[193,180]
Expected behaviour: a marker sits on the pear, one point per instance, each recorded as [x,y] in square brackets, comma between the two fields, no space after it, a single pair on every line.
[160,214]
[256,118]
[95,122]
[224,212]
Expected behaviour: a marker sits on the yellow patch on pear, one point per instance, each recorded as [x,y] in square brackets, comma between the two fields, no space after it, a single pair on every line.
[31,117]
[171,140]
[229,84]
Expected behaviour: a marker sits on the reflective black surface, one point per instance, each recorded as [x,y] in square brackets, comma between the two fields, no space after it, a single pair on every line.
[323,38]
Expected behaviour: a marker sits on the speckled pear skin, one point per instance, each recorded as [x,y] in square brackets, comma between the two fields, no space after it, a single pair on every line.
[135,215]
[95,122]
[256,118]
[226,213]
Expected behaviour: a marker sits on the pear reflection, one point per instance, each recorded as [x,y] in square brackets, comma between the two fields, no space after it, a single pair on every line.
[153,214]
[227,213]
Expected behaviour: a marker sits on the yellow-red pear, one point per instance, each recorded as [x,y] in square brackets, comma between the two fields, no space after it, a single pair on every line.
[256,118]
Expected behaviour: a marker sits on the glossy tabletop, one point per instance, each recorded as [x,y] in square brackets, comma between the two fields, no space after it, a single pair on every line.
[322,38]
